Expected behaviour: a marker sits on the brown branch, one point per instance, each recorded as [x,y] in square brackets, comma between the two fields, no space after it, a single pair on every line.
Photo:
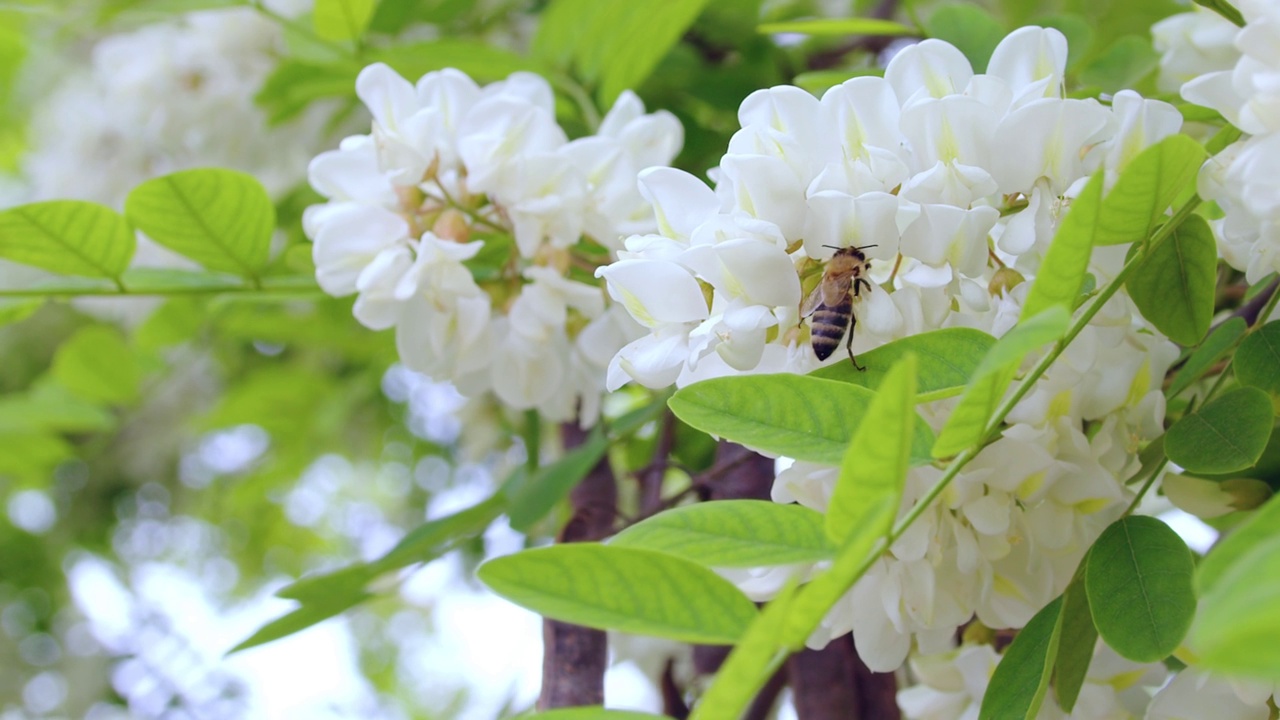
[651,477]
[673,704]
[763,704]
[834,683]
[574,658]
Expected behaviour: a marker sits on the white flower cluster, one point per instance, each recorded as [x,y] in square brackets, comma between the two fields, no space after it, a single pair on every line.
[460,220]
[951,685]
[956,180]
[167,97]
[1236,71]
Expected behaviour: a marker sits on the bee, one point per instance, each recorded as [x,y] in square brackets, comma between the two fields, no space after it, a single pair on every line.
[831,302]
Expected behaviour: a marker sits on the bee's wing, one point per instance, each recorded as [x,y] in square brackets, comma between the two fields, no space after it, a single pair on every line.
[812,302]
[835,288]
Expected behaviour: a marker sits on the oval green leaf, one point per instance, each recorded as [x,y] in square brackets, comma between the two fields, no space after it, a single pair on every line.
[1210,351]
[1139,581]
[1237,630]
[875,465]
[1076,643]
[838,26]
[802,417]
[1020,681]
[1227,434]
[986,388]
[1262,525]
[72,237]
[342,20]
[1257,362]
[222,219]
[627,589]
[1147,186]
[973,30]
[534,498]
[946,360]
[97,365]
[1173,286]
[733,533]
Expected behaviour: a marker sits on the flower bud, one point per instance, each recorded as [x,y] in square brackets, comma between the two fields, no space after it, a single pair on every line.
[452,225]
[1004,280]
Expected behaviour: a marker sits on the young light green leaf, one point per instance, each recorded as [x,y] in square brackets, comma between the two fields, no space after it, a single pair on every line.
[1257,362]
[1213,349]
[533,499]
[1173,285]
[733,533]
[947,359]
[222,219]
[49,407]
[1227,434]
[626,589]
[1075,644]
[1147,186]
[1262,526]
[96,364]
[480,60]
[753,659]
[341,20]
[992,377]
[838,26]
[875,465]
[1139,581]
[298,620]
[794,415]
[1237,630]
[1067,260]
[1019,684]
[972,29]
[12,311]
[72,237]
[422,544]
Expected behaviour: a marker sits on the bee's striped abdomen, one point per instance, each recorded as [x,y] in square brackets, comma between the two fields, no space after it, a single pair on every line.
[828,325]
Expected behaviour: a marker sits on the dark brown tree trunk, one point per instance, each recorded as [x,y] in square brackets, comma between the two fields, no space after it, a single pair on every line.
[574,658]
[834,683]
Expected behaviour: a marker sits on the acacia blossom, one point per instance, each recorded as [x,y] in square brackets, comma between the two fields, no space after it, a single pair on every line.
[956,181]
[460,222]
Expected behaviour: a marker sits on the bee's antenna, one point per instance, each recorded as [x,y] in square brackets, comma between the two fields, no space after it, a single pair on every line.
[864,247]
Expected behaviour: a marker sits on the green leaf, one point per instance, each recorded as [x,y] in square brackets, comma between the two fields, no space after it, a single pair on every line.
[12,311]
[294,85]
[1257,362]
[590,712]
[838,26]
[1237,630]
[1213,349]
[480,60]
[97,365]
[1075,644]
[1227,434]
[1079,34]
[72,237]
[875,465]
[1128,60]
[946,360]
[968,421]
[1067,260]
[222,219]
[422,544]
[1147,186]
[626,589]
[1138,578]
[1020,681]
[973,30]
[798,416]
[733,533]
[298,620]
[613,46]
[49,407]
[532,500]
[1223,8]
[1262,526]
[1173,285]
[341,20]
[748,667]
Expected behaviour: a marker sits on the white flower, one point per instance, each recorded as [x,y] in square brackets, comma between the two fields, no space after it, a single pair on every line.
[1194,694]
[1193,44]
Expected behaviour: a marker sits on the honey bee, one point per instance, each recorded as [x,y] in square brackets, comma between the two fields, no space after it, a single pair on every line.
[831,302]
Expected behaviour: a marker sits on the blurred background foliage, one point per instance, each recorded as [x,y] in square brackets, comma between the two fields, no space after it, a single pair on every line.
[243,440]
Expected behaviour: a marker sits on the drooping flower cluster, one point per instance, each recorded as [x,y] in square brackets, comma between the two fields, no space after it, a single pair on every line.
[1235,71]
[951,685]
[166,97]
[956,182]
[459,221]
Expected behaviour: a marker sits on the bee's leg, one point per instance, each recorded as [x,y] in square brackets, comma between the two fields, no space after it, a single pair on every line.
[848,343]
[857,283]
